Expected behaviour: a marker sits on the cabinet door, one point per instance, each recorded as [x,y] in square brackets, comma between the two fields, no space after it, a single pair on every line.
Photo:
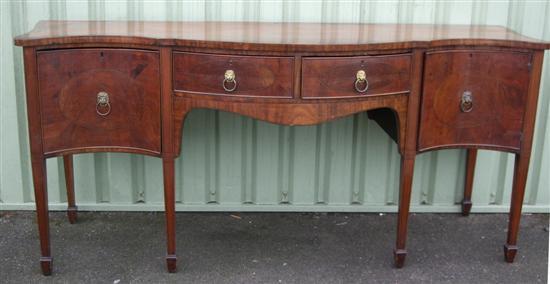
[100,99]
[474,98]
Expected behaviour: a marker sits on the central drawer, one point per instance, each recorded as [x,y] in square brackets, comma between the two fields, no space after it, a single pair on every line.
[241,76]
[357,76]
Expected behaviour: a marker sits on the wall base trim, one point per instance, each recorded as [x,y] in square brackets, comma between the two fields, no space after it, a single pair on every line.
[367,208]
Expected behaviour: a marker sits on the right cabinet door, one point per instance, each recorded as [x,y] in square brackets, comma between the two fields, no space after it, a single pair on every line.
[473,98]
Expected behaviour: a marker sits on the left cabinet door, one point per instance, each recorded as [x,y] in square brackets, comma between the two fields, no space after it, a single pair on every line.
[100,100]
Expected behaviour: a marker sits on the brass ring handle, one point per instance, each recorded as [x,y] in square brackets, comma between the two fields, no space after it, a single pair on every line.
[229,78]
[361,78]
[467,102]
[102,103]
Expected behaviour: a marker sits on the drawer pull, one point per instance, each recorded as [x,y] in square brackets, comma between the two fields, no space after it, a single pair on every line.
[466,103]
[361,79]
[229,80]
[103,107]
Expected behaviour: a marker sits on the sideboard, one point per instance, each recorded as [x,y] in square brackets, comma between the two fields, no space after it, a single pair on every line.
[116,86]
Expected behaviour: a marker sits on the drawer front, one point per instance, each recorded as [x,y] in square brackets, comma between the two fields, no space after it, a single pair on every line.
[100,98]
[242,76]
[349,77]
[474,98]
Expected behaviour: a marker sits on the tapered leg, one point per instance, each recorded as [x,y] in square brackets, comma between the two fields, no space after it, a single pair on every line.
[405,185]
[69,183]
[170,210]
[469,181]
[518,190]
[41,200]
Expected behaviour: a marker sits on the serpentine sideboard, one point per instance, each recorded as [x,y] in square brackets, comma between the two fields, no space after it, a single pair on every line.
[97,86]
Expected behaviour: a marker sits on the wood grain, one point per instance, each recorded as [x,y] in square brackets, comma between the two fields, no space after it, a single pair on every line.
[289,112]
[256,76]
[521,165]
[408,156]
[69,81]
[334,77]
[38,161]
[293,74]
[498,82]
[287,37]
[168,169]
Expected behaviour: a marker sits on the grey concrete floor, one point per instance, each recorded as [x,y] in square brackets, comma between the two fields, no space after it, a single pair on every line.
[273,248]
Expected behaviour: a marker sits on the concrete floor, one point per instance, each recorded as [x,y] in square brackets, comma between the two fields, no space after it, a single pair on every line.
[273,248]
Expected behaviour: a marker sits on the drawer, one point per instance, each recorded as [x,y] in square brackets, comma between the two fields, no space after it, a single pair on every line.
[106,98]
[349,77]
[242,76]
[474,98]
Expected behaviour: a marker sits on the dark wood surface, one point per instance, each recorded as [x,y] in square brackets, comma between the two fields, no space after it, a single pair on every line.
[498,82]
[334,77]
[471,158]
[256,76]
[290,112]
[408,155]
[430,87]
[291,37]
[69,81]
[38,160]
[69,184]
[521,166]
[168,156]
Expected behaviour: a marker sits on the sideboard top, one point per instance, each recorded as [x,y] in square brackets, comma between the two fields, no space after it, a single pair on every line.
[305,37]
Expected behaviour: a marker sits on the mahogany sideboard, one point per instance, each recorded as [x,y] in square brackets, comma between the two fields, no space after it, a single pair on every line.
[97,86]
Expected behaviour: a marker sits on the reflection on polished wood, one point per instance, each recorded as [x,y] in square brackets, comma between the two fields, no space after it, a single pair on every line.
[428,86]
[274,36]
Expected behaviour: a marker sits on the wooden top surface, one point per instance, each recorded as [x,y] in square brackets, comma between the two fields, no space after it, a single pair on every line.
[306,37]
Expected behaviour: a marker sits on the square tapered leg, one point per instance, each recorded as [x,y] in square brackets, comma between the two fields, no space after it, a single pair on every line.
[170,210]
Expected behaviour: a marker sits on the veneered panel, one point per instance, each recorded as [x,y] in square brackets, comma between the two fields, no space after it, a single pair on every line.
[69,83]
[497,82]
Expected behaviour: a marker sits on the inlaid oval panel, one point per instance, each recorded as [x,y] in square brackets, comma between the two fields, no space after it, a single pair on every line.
[78,99]
[474,97]
[100,98]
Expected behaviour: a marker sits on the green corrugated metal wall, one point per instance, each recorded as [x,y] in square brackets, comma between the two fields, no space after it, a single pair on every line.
[231,162]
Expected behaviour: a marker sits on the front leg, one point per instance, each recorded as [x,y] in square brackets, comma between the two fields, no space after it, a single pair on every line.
[408,154]
[518,190]
[42,213]
[170,210]
[521,166]
[405,186]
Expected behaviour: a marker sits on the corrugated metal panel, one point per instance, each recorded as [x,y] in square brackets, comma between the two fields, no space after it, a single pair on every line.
[230,162]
